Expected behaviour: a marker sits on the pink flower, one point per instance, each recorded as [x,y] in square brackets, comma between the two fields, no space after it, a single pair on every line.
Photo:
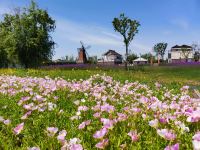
[96,107]
[134,136]
[83,124]
[194,116]
[76,147]
[7,122]
[185,88]
[52,131]
[18,128]
[108,108]
[61,136]
[100,134]
[26,115]
[97,115]
[158,85]
[102,144]
[172,147]
[154,123]
[135,110]
[196,141]
[166,134]
[107,123]
[121,117]
[104,98]
[163,120]
[82,108]
[23,99]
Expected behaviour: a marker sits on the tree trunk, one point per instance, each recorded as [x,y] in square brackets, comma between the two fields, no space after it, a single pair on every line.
[158,60]
[151,61]
[126,65]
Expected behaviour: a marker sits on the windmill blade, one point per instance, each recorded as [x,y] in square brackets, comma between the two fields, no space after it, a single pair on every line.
[87,55]
[82,44]
[88,47]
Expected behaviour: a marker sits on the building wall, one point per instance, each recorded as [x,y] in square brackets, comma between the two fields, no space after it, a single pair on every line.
[181,60]
[179,55]
[109,58]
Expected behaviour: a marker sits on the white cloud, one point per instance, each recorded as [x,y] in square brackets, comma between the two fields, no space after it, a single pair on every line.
[76,32]
[181,23]
[167,32]
[68,35]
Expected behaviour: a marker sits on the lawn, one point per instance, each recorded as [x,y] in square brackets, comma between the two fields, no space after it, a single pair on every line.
[189,75]
[143,108]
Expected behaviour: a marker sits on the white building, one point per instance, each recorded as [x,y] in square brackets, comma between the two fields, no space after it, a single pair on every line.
[177,55]
[111,57]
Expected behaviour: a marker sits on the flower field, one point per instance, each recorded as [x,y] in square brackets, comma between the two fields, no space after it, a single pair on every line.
[96,113]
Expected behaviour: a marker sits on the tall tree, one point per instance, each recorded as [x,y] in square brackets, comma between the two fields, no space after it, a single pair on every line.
[28,31]
[196,50]
[147,56]
[197,55]
[185,53]
[127,28]
[160,49]
[131,57]
[7,38]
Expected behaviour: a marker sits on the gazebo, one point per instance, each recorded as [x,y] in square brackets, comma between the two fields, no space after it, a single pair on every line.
[140,60]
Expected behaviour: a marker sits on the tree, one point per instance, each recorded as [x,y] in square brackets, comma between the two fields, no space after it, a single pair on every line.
[197,55]
[131,57]
[160,49]
[148,56]
[7,39]
[185,53]
[92,60]
[3,59]
[127,28]
[28,36]
[196,49]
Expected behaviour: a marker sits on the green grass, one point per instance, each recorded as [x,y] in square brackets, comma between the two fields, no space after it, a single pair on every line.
[166,75]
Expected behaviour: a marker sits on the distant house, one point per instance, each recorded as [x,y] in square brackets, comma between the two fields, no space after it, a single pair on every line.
[140,60]
[111,57]
[176,55]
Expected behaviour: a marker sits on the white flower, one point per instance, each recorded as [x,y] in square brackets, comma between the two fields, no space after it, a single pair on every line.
[196,141]
[77,102]
[83,100]
[74,141]
[78,113]
[1,119]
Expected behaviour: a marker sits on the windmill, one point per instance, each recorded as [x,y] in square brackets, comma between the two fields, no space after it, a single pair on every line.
[82,54]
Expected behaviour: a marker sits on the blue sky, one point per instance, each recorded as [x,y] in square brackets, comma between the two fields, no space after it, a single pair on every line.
[171,21]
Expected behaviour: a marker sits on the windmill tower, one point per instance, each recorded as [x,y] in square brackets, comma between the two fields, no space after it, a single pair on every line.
[82,54]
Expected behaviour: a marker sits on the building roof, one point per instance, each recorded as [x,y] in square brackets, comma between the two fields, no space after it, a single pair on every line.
[111,52]
[181,46]
[140,59]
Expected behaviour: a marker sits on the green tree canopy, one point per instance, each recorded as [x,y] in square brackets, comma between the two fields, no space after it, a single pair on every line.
[185,53]
[26,36]
[127,28]
[148,56]
[131,57]
[160,49]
